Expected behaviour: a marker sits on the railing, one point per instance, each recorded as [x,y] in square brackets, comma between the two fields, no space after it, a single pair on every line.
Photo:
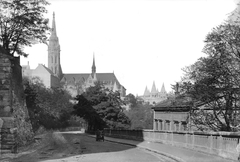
[218,143]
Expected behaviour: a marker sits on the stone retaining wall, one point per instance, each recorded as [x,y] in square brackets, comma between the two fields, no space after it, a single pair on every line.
[15,126]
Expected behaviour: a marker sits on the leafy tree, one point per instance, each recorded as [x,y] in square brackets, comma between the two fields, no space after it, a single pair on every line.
[141,116]
[22,23]
[140,113]
[101,108]
[47,107]
[213,81]
[130,99]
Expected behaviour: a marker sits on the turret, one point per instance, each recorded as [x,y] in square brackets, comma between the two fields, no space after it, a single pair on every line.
[146,92]
[163,89]
[154,90]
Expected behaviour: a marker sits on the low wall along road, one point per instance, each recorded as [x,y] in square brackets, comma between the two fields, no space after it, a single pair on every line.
[223,144]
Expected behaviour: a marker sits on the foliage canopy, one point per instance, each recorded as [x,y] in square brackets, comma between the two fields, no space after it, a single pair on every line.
[213,81]
[22,23]
[101,107]
[50,108]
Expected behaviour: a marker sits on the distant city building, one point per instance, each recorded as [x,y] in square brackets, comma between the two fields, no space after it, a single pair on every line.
[78,83]
[154,96]
[52,76]
[48,78]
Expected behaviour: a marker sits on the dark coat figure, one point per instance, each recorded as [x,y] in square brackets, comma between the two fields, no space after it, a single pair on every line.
[99,135]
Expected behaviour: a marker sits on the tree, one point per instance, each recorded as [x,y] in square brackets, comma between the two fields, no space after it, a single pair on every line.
[50,108]
[214,81]
[141,116]
[22,23]
[130,99]
[101,107]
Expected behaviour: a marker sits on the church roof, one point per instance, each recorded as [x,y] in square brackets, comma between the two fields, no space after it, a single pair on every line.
[110,77]
[173,102]
[48,70]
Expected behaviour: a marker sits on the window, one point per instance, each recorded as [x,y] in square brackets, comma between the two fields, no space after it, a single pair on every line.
[55,59]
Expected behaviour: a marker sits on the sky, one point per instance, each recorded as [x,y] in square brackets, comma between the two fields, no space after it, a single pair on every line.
[141,41]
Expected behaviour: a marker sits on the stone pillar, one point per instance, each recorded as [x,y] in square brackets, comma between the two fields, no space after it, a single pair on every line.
[171,125]
[180,126]
[154,125]
[158,125]
[210,143]
[220,142]
[163,124]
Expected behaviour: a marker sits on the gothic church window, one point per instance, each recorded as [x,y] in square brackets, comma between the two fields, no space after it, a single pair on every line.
[55,59]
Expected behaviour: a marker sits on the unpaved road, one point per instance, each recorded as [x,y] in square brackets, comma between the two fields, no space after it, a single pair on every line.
[69,147]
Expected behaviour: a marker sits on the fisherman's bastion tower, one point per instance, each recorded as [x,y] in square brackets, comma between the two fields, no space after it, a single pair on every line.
[154,96]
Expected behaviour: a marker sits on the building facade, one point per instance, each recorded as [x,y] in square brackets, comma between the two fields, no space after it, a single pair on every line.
[52,76]
[172,115]
[77,83]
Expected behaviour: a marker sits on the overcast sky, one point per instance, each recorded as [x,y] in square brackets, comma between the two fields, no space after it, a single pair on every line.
[140,40]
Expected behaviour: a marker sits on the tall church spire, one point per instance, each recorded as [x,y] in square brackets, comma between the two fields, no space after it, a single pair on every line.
[54,30]
[54,52]
[93,65]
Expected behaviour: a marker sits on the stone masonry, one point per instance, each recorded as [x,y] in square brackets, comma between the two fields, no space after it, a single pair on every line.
[15,126]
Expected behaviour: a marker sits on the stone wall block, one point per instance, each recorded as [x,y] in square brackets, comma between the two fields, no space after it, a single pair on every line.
[14,127]
[8,122]
[5,68]
[4,86]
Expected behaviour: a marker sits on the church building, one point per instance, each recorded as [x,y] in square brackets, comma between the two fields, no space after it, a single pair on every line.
[52,76]
[154,96]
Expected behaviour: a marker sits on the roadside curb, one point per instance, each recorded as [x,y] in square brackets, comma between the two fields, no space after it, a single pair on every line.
[146,148]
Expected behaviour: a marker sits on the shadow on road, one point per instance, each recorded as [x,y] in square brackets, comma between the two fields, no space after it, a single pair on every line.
[70,145]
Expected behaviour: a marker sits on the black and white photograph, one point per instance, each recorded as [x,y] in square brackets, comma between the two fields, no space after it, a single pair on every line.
[119,80]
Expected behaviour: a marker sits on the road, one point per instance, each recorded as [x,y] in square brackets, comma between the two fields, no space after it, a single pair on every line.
[68,147]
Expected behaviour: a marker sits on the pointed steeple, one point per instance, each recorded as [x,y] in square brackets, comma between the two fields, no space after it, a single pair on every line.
[53,36]
[54,30]
[54,52]
[154,90]
[163,89]
[146,92]
[93,65]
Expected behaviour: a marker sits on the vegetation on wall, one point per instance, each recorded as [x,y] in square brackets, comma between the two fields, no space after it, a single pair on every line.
[49,108]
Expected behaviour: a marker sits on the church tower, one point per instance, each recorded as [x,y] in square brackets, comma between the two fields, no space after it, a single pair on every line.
[54,52]
[93,67]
